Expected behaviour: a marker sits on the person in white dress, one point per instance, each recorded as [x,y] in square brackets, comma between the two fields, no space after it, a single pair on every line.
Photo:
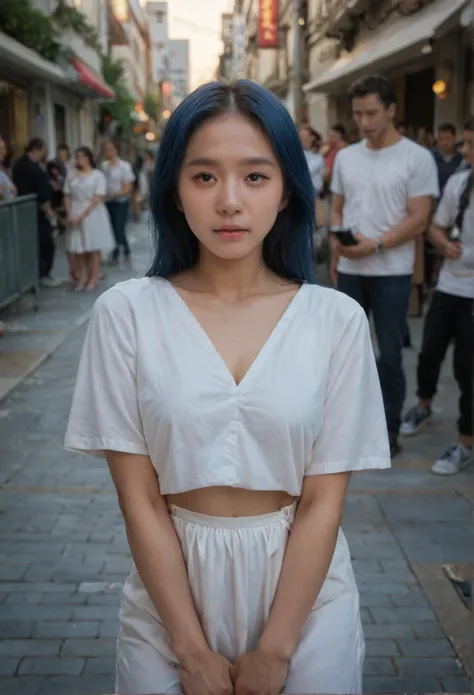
[89,229]
[232,397]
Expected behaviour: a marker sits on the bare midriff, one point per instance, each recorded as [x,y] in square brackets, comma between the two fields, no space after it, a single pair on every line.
[231,502]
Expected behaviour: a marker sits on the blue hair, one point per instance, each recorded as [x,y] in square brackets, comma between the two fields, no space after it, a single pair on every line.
[288,247]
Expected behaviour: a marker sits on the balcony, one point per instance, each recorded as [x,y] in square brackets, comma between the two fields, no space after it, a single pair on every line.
[337,16]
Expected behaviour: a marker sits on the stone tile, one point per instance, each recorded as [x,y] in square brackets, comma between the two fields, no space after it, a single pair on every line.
[95,613]
[377,685]
[378,666]
[102,646]
[433,667]
[67,630]
[37,666]
[431,648]
[381,647]
[456,684]
[15,629]
[109,628]
[104,666]
[29,647]
[83,685]
[23,686]
[35,613]
[8,666]
[424,508]
[384,616]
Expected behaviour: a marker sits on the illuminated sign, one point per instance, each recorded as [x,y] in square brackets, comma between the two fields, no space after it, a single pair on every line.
[268,24]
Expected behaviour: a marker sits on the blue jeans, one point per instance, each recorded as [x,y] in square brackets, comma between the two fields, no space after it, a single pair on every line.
[118,218]
[386,299]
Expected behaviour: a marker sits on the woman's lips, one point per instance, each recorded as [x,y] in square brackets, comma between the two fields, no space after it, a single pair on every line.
[230,233]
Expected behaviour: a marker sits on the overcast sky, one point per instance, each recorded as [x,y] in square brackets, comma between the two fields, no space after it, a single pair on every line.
[200,22]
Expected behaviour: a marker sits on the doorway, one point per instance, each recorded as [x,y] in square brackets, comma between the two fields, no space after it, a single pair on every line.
[420,99]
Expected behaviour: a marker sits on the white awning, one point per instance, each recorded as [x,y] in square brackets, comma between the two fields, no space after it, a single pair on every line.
[24,60]
[399,40]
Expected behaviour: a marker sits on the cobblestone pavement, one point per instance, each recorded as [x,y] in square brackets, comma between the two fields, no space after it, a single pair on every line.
[63,551]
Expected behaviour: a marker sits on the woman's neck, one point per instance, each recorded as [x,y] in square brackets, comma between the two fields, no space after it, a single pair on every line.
[231,280]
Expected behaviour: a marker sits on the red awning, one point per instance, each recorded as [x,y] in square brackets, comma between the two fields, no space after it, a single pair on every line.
[92,80]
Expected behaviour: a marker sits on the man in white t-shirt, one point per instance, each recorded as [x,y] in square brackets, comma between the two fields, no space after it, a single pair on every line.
[450,314]
[120,177]
[382,188]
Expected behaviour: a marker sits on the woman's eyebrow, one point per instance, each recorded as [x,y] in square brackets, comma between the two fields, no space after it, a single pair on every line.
[206,161]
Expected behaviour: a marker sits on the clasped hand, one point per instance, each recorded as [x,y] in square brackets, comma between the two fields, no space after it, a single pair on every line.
[254,673]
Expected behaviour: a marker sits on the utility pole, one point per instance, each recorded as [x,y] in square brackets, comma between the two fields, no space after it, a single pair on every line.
[296,77]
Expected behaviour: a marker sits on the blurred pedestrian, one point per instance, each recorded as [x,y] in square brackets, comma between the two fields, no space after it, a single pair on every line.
[89,229]
[383,190]
[450,315]
[120,178]
[30,177]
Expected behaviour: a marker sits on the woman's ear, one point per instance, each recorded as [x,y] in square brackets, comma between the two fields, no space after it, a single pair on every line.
[177,202]
[284,202]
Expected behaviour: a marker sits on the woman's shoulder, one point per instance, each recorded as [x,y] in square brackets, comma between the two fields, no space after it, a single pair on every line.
[130,297]
[333,305]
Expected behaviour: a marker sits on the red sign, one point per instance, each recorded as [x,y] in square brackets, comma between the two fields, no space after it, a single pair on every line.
[268,24]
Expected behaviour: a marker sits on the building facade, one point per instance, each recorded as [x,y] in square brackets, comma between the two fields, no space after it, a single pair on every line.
[421,45]
[130,44]
[56,101]
[169,57]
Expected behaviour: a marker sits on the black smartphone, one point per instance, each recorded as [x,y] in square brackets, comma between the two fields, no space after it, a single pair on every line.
[344,236]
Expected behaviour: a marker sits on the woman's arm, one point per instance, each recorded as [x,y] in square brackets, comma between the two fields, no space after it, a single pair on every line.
[308,556]
[158,558]
[156,550]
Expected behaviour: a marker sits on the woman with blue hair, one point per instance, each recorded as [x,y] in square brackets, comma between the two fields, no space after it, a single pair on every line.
[232,398]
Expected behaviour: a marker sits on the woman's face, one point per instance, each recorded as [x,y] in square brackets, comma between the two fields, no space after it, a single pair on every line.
[230,186]
[81,161]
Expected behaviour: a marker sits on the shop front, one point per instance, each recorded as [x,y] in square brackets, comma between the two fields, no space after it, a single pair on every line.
[417,52]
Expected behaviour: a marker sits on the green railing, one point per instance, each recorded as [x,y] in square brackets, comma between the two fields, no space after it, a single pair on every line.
[18,248]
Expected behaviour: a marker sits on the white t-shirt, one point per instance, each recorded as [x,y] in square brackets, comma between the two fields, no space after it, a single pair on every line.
[316,169]
[376,185]
[150,382]
[117,175]
[457,277]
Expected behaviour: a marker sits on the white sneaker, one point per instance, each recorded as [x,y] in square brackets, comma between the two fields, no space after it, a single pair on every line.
[50,282]
[453,461]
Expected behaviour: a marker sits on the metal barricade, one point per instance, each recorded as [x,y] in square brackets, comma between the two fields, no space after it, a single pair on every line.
[18,248]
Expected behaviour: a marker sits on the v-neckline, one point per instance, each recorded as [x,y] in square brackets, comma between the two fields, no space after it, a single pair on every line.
[206,341]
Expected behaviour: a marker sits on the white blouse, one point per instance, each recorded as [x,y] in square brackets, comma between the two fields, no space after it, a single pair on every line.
[150,382]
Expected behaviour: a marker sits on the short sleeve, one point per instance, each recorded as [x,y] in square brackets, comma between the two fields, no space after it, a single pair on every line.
[128,176]
[105,412]
[337,184]
[67,184]
[353,435]
[423,179]
[101,185]
[448,207]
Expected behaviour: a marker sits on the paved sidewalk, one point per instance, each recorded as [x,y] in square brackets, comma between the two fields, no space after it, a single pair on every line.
[63,551]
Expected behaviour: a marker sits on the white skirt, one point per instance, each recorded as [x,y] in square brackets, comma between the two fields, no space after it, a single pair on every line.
[93,234]
[233,568]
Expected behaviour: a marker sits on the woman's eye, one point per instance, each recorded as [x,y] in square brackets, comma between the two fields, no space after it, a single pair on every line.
[256,178]
[204,177]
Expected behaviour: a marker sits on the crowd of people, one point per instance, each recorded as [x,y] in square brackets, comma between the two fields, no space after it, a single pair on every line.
[388,189]
[90,204]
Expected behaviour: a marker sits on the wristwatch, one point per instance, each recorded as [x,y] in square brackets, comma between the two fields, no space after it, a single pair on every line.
[379,246]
